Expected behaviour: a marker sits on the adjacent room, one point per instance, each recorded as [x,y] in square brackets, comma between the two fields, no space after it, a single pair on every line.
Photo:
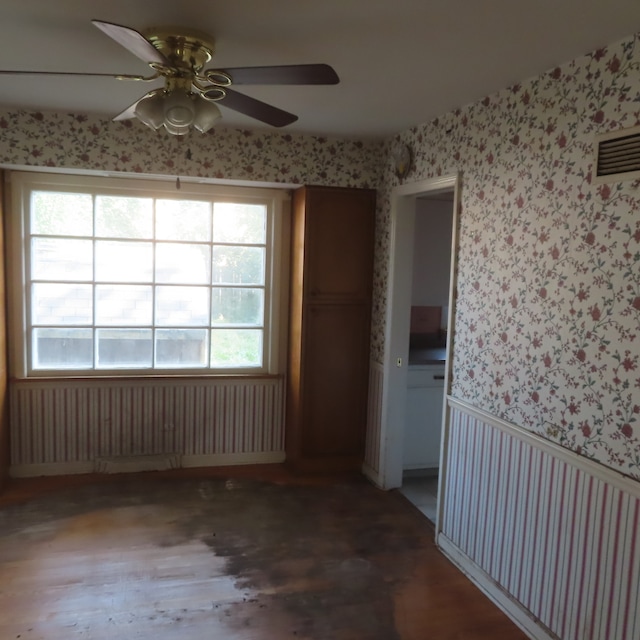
[320,321]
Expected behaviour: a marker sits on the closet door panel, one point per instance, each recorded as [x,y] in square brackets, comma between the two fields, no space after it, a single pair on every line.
[339,245]
[333,418]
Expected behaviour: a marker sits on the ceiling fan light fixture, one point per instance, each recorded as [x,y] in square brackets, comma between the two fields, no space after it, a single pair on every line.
[150,110]
[207,114]
[179,109]
[177,130]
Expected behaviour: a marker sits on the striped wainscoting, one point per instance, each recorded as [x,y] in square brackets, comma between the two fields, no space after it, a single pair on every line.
[65,427]
[553,537]
[371,465]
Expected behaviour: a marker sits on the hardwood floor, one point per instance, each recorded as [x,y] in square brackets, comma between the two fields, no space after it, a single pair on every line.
[233,554]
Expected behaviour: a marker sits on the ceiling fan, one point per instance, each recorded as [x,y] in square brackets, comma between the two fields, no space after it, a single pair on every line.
[190,92]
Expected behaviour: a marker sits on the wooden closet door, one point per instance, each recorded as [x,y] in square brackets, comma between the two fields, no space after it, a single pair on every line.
[334,380]
[330,314]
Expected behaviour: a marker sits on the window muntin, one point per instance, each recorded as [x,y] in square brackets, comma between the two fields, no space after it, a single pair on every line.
[122,283]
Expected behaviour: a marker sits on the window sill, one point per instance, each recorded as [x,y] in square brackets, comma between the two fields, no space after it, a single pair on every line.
[146,378]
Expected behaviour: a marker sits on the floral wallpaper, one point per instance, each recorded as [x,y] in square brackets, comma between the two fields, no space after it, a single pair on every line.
[81,142]
[548,301]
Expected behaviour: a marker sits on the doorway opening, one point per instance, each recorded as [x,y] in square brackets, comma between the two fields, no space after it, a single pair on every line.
[420,320]
[427,349]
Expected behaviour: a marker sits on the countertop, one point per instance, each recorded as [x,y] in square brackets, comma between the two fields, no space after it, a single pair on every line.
[433,355]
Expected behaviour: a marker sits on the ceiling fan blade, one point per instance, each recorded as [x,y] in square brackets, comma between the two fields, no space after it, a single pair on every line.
[284,74]
[118,76]
[256,109]
[133,41]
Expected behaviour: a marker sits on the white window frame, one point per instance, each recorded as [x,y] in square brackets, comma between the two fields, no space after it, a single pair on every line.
[22,184]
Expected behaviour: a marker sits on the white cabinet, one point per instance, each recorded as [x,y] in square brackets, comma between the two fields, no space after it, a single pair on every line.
[423,424]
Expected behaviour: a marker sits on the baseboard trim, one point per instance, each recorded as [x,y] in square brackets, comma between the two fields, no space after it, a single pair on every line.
[232,459]
[512,608]
[50,469]
[132,464]
[142,463]
[371,474]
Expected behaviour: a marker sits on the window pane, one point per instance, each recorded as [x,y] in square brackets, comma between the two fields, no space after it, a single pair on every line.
[236,348]
[61,259]
[124,348]
[183,220]
[238,265]
[124,261]
[182,306]
[66,304]
[237,306]
[118,280]
[120,217]
[182,263]
[240,223]
[61,214]
[62,348]
[181,347]
[124,305]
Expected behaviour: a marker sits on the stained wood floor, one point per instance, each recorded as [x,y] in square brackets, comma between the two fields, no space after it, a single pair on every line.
[241,554]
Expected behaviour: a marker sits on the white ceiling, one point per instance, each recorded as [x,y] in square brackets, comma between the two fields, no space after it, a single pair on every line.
[401,62]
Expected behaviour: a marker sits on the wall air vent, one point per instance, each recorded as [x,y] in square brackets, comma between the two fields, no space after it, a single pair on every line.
[618,156]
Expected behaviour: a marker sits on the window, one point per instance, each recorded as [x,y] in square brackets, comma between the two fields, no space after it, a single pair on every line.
[124,276]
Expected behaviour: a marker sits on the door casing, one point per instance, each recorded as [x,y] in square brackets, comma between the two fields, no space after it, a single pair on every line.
[403,211]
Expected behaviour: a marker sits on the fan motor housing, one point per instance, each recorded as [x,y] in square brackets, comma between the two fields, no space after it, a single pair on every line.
[185,48]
